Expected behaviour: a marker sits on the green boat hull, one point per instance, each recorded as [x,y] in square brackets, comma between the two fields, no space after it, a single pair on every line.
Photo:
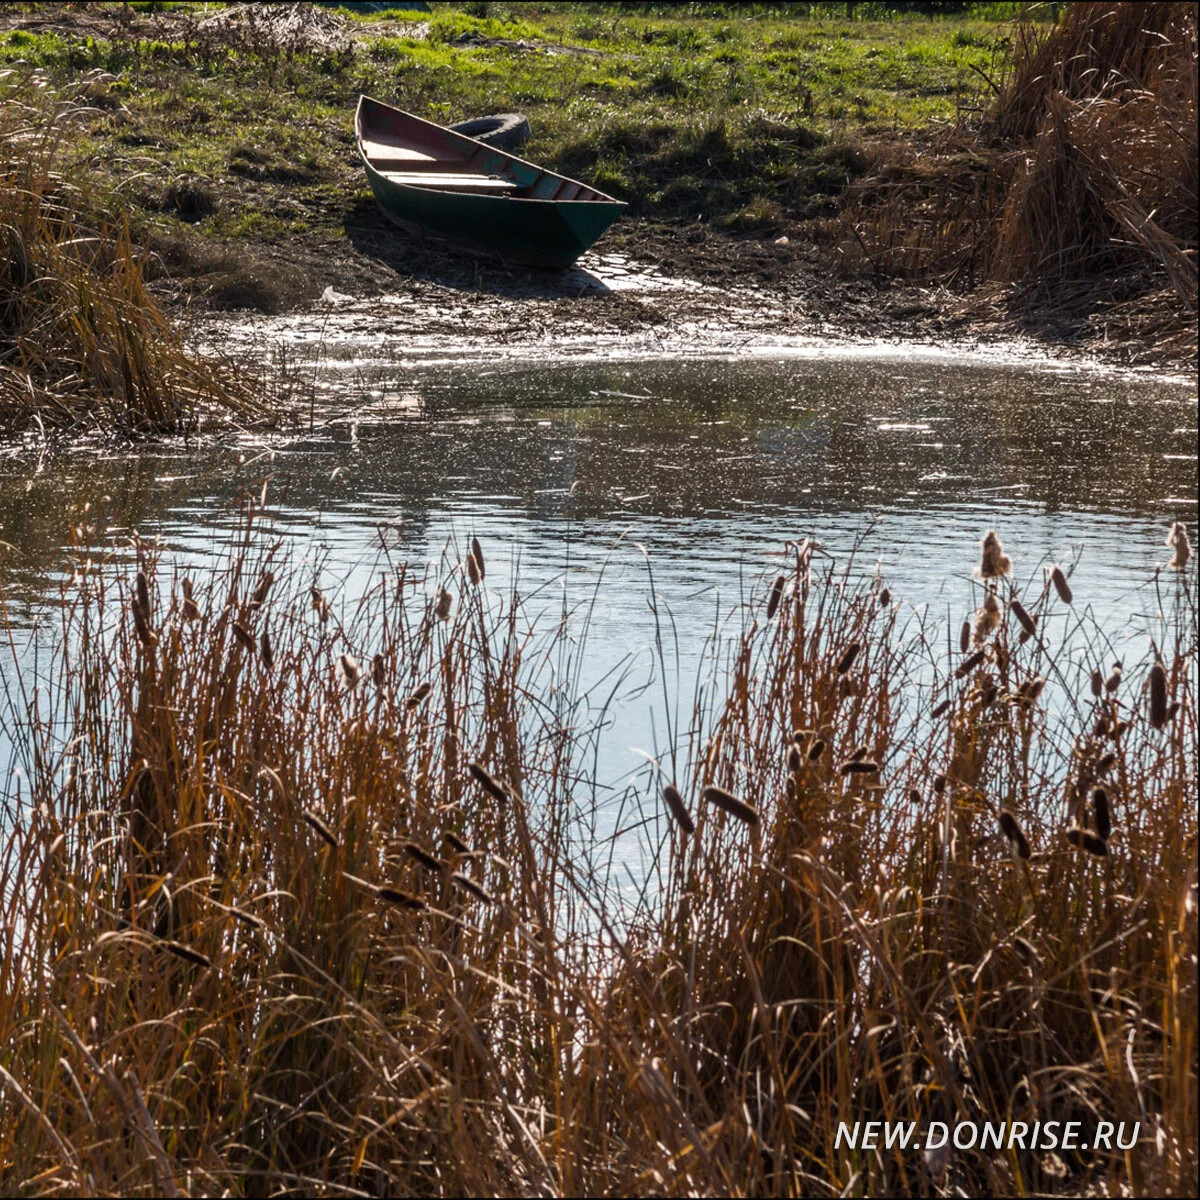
[539,218]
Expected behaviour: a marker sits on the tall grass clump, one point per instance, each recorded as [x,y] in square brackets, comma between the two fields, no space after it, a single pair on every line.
[83,344]
[302,894]
[1083,170]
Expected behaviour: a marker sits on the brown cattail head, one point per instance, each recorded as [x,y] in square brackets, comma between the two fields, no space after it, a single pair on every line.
[1097,683]
[445,602]
[1114,680]
[1014,833]
[994,562]
[1103,812]
[349,670]
[260,592]
[731,804]
[320,604]
[1157,685]
[141,624]
[793,757]
[885,597]
[816,749]
[322,830]
[418,694]
[1086,840]
[245,637]
[455,842]
[477,555]
[191,610]
[1030,690]
[186,953]
[775,596]
[859,766]
[419,854]
[1177,539]
[848,657]
[969,663]
[492,787]
[142,591]
[400,899]
[187,588]
[1061,586]
[469,885]
[1027,623]
[939,783]
[473,575]
[674,802]
[1105,764]
[378,670]
[941,709]
[914,796]
[266,650]
[964,637]
[987,617]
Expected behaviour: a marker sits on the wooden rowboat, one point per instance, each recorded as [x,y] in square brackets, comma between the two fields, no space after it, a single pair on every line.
[439,182]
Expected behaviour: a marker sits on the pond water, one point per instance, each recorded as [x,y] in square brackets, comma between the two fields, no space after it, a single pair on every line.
[566,469]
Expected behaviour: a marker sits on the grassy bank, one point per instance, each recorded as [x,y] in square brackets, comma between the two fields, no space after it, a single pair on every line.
[84,346]
[305,895]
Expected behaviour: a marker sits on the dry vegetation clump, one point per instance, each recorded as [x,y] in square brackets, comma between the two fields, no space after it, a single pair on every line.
[303,895]
[1085,168]
[83,344]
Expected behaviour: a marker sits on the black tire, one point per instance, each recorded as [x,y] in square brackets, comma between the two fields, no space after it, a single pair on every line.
[505,131]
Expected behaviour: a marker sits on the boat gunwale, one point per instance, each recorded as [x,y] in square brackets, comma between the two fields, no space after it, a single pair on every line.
[602,197]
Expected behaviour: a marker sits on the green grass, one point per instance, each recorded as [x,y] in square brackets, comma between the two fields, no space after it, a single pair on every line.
[743,120]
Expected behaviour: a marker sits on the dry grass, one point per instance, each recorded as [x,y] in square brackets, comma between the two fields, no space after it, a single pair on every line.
[303,896]
[1084,170]
[83,344]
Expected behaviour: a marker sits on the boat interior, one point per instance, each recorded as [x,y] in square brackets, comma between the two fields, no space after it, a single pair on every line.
[482,171]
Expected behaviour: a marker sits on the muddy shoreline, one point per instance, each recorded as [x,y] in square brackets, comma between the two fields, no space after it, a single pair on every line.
[649,284]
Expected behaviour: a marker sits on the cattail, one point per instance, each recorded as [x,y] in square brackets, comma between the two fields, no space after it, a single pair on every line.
[775,596]
[816,749]
[266,650]
[320,604]
[349,670]
[468,884]
[1105,764]
[731,804]
[400,899]
[142,587]
[1114,680]
[1177,539]
[995,562]
[186,953]
[421,855]
[859,766]
[987,697]
[848,657]
[678,809]
[477,555]
[987,617]
[793,758]
[445,602]
[1085,840]
[1014,833]
[1030,690]
[1103,812]
[191,610]
[964,637]
[493,787]
[141,625]
[1097,683]
[1061,586]
[473,575]
[1158,696]
[455,842]
[321,828]
[378,670]
[885,597]
[1027,623]
[914,796]
[187,588]
[418,694]
[969,664]
[941,709]
[939,783]
[244,636]
[260,592]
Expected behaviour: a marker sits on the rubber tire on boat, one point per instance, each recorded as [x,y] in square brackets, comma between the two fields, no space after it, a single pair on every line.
[505,131]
